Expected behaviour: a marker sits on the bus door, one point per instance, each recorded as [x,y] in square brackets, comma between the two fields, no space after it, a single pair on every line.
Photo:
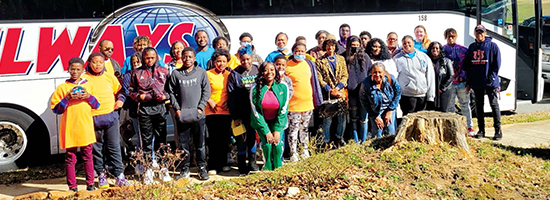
[530,83]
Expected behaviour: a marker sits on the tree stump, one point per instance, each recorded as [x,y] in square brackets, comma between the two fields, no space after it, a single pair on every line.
[433,127]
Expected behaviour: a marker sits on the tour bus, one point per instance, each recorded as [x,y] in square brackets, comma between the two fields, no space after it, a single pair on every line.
[37,39]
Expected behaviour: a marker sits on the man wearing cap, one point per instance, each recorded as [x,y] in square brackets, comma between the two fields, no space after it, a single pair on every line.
[481,64]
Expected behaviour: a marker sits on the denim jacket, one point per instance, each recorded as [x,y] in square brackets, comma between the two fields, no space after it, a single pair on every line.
[372,98]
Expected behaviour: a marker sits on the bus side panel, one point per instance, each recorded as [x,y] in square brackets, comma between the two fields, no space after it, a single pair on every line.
[34,95]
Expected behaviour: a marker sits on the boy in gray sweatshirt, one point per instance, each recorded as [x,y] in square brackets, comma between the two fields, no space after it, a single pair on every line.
[189,90]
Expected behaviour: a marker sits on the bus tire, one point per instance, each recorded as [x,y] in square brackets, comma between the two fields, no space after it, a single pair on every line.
[22,138]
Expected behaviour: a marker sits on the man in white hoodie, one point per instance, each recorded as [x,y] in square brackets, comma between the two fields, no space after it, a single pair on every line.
[416,77]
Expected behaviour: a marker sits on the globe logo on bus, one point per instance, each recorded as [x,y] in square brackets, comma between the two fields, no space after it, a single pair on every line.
[162,14]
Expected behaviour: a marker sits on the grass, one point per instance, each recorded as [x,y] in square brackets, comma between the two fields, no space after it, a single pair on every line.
[517,118]
[372,170]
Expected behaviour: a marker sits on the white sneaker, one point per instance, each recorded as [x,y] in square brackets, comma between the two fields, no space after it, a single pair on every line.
[305,154]
[155,165]
[471,132]
[212,172]
[165,175]
[294,158]
[149,177]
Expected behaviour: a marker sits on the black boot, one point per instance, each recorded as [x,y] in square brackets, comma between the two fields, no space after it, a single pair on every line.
[498,134]
[480,134]
[241,162]
[252,166]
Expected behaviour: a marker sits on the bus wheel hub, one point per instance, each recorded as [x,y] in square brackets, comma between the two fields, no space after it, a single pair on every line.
[12,142]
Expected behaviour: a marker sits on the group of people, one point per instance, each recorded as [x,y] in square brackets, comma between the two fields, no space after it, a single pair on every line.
[214,96]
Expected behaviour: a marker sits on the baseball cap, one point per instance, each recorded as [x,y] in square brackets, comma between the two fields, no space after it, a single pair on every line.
[480,27]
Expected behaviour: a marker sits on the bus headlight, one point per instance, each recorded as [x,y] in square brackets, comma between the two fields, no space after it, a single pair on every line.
[504,83]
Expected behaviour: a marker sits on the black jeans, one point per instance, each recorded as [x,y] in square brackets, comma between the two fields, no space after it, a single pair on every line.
[412,104]
[197,130]
[219,136]
[152,126]
[107,148]
[492,93]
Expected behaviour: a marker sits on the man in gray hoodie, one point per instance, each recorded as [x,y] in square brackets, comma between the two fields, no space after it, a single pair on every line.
[416,77]
[189,90]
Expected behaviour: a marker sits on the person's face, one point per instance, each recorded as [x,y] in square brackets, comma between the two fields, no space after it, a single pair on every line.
[202,39]
[188,58]
[246,61]
[140,45]
[377,74]
[408,45]
[221,45]
[376,48]
[178,48]
[364,40]
[300,50]
[97,64]
[436,50]
[220,63]
[75,70]
[344,31]
[246,40]
[480,36]
[331,48]
[106,49]
[281,41]
[392,40]
[269,72]
[135,62]
[150,58]
[451,39]
[419,33]
[322,37]
[280,64]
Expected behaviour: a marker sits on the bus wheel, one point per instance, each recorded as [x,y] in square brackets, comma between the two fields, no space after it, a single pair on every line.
[23,139]
[13,138]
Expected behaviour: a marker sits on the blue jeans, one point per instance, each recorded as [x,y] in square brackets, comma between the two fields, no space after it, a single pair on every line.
[388,130]
[359,123]
[340,127]
[459,90]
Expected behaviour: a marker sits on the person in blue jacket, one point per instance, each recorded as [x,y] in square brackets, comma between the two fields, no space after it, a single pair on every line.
[481,64]
[379,95]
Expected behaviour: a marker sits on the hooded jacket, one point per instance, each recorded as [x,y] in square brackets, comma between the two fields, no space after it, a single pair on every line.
[149,81]
[239,83]
[416,75]
[258,122]
[457,53]
[189,91]
[105,87]
[482,64]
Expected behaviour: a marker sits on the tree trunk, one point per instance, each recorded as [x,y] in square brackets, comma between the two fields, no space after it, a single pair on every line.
[433,127]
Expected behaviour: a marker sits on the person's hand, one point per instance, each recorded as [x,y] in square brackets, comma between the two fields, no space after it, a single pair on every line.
[440,91]
[118,104]
[212,104]
[334,92]
[379,123]
[269,138]
[387,118]
[467,88]
[238,121]
[276,137]
[142,97]
[178,112]
[199,111]
[72,96]
[84,94]
[163,97]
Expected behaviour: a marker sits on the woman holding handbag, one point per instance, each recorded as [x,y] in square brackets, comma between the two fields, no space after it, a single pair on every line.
[333,78]
[269,97]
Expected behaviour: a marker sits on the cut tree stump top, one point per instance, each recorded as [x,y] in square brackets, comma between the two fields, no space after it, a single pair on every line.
[433,127]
